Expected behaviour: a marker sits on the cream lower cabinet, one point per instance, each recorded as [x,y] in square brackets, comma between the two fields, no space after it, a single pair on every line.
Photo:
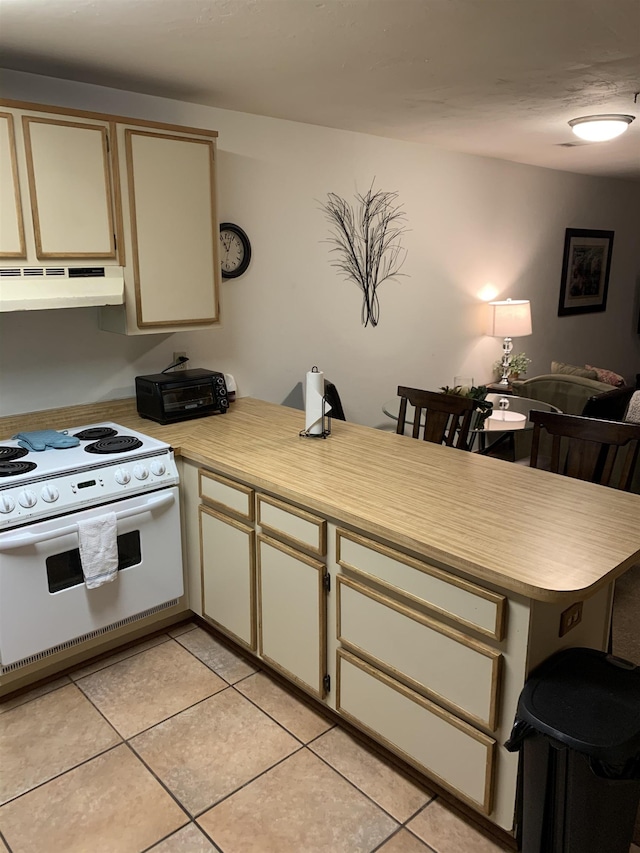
[292,593]
[267,591]
[420,665]
[227,542]
[426,663]
[453,753]
[292,614]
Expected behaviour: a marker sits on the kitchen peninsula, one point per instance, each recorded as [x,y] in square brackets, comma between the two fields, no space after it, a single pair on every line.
[380,574]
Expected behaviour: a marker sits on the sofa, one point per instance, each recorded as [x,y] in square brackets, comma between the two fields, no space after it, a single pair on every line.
[573,394]
[567,392]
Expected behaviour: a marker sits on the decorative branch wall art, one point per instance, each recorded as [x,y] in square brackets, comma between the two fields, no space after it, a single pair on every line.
[367,243]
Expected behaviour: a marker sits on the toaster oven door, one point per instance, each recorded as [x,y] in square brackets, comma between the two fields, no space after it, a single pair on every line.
[188,398]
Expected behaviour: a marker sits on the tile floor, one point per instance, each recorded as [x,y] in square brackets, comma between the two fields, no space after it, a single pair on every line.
[177,745]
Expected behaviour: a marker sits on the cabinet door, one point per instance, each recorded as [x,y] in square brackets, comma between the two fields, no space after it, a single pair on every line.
[70,188]
[12,243]
[292,607]
[228,575]
[171,200]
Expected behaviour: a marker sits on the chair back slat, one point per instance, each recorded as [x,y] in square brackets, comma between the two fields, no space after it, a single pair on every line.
[438,418]
[604,452]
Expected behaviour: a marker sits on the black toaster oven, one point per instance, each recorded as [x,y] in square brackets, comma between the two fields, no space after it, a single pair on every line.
[170,397]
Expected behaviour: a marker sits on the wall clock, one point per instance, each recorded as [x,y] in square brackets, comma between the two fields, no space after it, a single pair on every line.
[235,250]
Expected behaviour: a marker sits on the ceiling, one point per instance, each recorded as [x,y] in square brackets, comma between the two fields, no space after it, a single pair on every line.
[498,78]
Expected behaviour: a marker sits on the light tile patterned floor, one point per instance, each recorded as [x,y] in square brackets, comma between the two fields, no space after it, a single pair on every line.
[178,745]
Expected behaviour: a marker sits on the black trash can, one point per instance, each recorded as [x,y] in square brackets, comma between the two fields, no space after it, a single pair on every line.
[578,727]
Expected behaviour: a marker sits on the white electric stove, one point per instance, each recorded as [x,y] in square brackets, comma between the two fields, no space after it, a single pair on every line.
[45,495]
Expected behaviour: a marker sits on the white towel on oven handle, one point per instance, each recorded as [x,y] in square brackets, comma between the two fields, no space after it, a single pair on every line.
[98,543]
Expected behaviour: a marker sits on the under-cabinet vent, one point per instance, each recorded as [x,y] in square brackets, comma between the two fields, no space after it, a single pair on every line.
[24,288]
[83,639]
[52,272]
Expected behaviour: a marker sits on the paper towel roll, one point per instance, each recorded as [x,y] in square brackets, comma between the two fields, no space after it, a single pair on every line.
[314,401]
[230,382]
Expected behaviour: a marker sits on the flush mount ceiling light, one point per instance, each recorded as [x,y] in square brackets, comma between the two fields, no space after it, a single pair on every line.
[600,128]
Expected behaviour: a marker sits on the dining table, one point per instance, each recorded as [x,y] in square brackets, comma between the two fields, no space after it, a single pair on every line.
[509,415]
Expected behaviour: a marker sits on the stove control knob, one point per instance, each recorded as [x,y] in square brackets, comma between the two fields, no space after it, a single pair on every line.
[122,476]
[7,504]
[27,498]
[50,494]
[141,472]
[158,467]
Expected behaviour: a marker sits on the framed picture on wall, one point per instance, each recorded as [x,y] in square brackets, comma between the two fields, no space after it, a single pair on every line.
[585,271]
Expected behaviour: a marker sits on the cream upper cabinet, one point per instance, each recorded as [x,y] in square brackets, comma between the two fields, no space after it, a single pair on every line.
[70,188]
[58,198]
[12,241]
[171,232]
[90,189]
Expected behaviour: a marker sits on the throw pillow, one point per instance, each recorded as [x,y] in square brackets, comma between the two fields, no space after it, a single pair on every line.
[573,370]
[607,376]
[632,415]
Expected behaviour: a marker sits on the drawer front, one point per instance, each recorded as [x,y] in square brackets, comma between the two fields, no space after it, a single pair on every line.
[446,595]
[228,575]
[226,494]
[292,607]
[437,743]
[434,659]
[290,524]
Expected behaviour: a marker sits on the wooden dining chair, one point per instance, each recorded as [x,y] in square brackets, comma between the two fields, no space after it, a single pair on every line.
[440,418]
[604,452]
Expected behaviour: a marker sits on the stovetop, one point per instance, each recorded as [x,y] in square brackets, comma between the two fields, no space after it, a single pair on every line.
[108,462]
[98,444]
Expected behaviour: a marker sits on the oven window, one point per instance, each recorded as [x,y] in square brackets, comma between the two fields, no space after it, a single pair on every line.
[65,570]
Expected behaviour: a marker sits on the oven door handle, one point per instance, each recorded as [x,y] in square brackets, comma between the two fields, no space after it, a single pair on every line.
[19,540]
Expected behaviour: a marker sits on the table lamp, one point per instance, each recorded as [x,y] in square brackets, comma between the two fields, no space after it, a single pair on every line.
[509,319]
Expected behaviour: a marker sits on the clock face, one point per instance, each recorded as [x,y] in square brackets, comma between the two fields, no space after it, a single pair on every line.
[235,250]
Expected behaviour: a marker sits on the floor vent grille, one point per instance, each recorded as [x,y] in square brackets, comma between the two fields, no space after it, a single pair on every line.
[83,639]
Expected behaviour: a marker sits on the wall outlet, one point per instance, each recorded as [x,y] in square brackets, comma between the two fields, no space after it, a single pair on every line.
[178,355]
[570,617]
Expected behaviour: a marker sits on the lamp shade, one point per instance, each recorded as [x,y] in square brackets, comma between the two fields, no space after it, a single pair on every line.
[510,318]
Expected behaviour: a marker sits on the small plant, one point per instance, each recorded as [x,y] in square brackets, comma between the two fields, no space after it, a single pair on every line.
[476,392]
[517,366]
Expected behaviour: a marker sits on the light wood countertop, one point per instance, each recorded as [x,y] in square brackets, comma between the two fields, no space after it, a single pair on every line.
[448,505]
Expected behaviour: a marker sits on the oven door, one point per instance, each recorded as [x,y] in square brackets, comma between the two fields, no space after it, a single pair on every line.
[44,603]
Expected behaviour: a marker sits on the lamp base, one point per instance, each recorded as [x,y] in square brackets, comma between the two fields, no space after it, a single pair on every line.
[505,364]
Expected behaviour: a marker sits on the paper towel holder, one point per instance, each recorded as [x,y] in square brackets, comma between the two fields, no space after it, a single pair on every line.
[325,418]
[325,425]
